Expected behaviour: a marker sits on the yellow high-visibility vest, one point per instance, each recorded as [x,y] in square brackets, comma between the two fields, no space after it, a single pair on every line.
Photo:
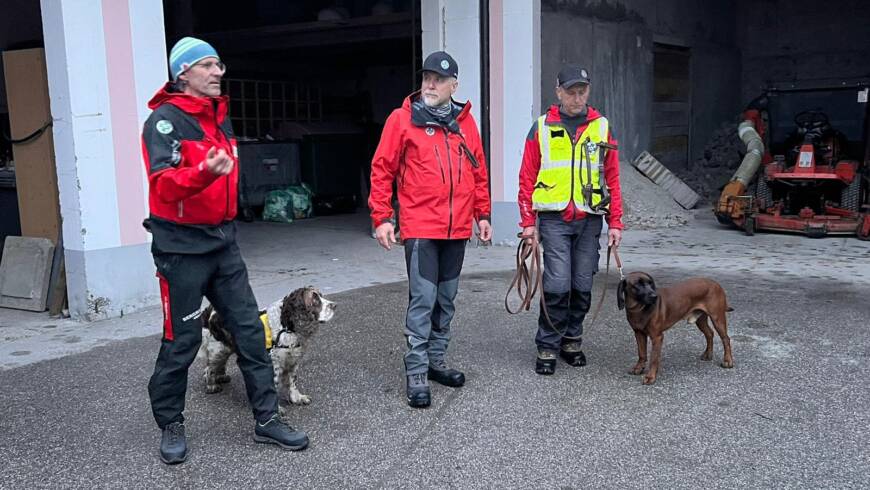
[564,166]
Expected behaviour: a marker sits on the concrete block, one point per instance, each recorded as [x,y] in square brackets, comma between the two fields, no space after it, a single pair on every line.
[24,273]
[658,173]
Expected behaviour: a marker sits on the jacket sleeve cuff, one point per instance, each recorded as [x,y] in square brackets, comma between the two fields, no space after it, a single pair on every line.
[484,217]
[379,221]
[615,224]
[203,177]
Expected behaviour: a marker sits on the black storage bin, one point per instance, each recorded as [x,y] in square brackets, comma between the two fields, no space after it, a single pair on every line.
[332,165]
[266,166]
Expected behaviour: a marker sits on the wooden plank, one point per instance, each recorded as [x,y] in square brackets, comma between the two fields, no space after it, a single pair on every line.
[652,168]
[35,172]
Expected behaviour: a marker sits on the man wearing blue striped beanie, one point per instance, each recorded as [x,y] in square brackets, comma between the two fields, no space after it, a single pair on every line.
[191,157]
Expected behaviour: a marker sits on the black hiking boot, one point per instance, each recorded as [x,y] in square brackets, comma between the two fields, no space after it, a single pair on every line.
[173,444]
[275,431]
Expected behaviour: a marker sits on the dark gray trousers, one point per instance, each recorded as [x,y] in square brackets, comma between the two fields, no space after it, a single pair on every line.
[571,253]
[433,279]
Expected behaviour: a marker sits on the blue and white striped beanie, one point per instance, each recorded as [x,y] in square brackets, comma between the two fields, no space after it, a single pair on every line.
[186,53]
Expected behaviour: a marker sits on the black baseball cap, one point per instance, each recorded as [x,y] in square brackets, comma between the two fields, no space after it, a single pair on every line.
[572,75]
[442,64]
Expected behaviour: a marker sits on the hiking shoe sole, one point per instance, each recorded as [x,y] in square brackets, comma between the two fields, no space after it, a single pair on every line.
[286,447]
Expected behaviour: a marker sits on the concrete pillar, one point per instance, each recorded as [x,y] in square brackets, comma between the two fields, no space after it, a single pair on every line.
[515,83]
[515,95]
[105,58]
[454,26]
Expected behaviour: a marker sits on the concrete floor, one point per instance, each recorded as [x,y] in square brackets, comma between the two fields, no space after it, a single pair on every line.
[337,254]
[790,414]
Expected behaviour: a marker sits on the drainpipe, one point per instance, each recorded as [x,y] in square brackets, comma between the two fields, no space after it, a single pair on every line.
[484,81]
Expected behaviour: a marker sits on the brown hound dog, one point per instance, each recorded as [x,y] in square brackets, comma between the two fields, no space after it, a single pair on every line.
[651,311]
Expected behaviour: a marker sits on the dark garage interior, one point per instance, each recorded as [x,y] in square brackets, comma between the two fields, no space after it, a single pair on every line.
[312,82]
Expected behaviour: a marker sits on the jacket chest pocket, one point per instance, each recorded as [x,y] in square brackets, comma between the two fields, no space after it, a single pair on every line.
[425,166]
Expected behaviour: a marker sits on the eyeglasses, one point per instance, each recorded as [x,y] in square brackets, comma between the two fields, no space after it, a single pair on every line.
[208,65]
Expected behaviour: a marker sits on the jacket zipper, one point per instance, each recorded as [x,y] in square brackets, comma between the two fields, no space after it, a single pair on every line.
[450,168]
[220,131]
[180,209]
[461,153]
[440,165]
[571,196]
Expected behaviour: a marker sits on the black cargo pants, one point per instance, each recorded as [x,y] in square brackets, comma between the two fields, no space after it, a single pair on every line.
[220,276]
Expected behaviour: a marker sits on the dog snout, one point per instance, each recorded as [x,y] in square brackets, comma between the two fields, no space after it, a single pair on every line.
[651,297]
[327,311]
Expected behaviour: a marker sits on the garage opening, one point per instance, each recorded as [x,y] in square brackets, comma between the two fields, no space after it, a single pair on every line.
[310,88]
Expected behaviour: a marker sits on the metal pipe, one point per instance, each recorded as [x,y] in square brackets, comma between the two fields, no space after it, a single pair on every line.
[414,11]
[484,80]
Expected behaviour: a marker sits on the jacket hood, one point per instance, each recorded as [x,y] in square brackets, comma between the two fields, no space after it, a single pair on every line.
[188,103]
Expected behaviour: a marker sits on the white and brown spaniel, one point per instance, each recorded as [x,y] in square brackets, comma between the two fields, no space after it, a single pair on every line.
[288,324]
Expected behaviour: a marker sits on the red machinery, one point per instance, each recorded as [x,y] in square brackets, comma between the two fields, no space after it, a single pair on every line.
[808,152]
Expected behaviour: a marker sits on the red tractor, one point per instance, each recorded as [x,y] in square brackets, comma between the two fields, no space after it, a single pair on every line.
[809,154]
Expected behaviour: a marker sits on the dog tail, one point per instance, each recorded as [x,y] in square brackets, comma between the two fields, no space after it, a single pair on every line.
[206,334]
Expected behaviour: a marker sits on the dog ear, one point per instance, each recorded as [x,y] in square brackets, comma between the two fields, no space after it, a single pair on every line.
[620,295]
[310,297]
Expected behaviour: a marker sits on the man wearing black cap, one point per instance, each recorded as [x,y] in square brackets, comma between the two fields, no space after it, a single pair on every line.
[431,146]
[568,183]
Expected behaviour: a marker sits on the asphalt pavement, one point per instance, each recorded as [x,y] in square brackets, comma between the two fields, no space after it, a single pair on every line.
[791,414]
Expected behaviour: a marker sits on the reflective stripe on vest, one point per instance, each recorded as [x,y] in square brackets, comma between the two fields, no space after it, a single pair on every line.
[553,187]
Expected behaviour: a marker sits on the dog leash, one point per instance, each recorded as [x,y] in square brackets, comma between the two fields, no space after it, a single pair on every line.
[528,279]
[610,251]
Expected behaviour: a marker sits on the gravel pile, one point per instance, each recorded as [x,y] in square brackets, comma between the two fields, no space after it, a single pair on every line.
[646,205]
[722,155]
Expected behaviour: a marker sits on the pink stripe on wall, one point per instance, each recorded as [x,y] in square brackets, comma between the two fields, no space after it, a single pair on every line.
[124,118]
[496,99]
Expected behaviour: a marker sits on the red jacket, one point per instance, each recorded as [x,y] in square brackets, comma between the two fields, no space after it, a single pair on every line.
[175,140]
[532,163]
[440,187]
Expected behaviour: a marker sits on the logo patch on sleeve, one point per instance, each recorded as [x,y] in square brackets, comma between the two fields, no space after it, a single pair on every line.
[163,126]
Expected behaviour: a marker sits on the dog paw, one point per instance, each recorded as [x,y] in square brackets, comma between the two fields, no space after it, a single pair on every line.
[213,388]
[636,370]
[707,356]
[648,380]
[727,364]
[300,399]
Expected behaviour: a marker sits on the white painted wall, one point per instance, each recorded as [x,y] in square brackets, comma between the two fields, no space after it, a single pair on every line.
[109,270]
[521,84]
[77,83]
[515,83]
[454,26]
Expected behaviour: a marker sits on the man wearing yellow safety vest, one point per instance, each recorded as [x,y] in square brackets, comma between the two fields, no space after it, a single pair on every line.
[568,183]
